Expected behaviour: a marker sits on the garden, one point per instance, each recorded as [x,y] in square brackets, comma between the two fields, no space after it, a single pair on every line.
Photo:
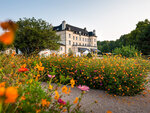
[21,79]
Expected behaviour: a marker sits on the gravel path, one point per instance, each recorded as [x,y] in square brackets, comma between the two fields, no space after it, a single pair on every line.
[116,104]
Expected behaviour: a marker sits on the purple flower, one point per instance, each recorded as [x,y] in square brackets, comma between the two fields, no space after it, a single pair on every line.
[95,70]
[101,84]
[75,71]
[61,101]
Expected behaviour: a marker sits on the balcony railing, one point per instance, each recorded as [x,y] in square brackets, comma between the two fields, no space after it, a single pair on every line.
[84,45]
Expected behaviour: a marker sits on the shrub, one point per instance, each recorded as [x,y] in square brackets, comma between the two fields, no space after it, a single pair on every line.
[127,51]
[89,55]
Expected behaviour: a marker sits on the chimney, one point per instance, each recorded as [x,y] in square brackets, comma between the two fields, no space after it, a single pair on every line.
[94,32]
[85,28]
[63,25]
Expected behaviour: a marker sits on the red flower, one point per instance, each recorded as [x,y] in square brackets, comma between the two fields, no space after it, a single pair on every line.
[22,69]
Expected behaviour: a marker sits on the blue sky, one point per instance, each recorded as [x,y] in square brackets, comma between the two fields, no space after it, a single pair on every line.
[110,18]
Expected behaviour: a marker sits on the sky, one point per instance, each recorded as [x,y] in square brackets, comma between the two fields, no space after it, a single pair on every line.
[110,18]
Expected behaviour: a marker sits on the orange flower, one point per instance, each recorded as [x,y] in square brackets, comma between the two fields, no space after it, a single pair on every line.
[23,66]
[23,98]
[56,95]
[8,37]
[64,89]
[72,82]
[64,110]
[109,111]
[38,111]
[8,25]
[2,84]
[44,102]
[2,91]
[11,95]
[76,100]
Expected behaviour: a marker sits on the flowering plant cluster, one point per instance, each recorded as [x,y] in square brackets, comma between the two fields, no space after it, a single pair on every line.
[115,74]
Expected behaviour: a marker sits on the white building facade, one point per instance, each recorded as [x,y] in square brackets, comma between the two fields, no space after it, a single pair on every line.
[75,39]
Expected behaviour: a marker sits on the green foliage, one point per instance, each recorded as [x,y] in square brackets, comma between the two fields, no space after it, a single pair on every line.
[4,47]
[89,55]
[106,46]
[139,37]
[127,51]
[70,52]
[34,35]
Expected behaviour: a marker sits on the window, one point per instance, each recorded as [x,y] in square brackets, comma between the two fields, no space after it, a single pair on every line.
[73,37]
[61,48]
[69,35]
[80,38]
[73,43]
[83,39]
[76,38]
[94,40]
[76,43]
[80,44]
[85,44]
[69,42]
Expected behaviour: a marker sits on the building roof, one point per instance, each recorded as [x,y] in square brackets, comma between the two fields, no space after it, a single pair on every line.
[74,29]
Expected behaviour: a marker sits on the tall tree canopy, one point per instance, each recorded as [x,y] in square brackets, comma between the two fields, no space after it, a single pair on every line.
[139,37]
[35,35]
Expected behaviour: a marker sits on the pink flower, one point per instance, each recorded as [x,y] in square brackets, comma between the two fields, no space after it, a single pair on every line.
[83,87]
[61,101]
[51,76]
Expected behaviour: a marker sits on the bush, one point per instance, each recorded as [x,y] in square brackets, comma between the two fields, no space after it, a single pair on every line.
[89,55]
[127,51]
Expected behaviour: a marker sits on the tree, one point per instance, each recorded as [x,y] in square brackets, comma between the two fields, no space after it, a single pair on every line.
[34,35]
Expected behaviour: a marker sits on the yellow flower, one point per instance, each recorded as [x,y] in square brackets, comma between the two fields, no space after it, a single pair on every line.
[64,89]
[72,82]
[50,87]
[56,95]
[76,100]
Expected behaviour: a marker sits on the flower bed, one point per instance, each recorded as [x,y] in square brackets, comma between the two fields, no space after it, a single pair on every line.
[121,76]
